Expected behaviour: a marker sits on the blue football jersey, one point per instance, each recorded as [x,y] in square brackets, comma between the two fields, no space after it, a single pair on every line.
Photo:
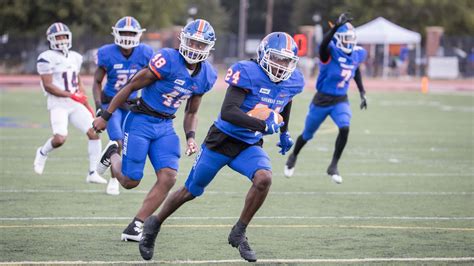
[175,84]
[261,92]
[119,68]
[334,76]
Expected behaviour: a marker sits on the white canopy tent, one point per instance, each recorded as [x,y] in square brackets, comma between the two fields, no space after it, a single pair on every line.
[382,31]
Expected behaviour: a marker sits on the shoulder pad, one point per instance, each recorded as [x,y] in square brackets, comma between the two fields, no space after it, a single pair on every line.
[238,74]
[162,63]
[209,77]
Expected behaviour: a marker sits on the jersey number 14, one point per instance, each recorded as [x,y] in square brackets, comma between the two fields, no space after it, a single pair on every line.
[74,81]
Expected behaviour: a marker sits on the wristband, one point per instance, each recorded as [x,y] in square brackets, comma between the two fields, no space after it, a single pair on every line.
[190,134]
[106,115]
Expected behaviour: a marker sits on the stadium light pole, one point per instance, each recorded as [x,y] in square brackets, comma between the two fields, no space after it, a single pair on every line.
[242,27]
[269,17]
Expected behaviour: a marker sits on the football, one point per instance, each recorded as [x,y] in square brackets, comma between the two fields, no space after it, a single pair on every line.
[262,113]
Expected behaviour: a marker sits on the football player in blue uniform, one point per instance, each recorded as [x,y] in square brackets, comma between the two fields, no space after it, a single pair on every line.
[119,61]
[235,138]
[340,60]
[172,76]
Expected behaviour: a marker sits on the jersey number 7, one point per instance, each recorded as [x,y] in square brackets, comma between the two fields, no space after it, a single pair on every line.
[346,75]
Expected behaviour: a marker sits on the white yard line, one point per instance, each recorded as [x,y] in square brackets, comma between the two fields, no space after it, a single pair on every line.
[282,193]
[184,218]
[355,260]
[272,226]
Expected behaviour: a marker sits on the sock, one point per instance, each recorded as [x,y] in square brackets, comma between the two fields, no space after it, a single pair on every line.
[136,219]
[240,226]
[300,142]
[47,147]
[340,144]
[94,147]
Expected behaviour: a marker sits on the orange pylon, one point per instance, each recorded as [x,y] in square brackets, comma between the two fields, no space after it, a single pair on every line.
[424,85]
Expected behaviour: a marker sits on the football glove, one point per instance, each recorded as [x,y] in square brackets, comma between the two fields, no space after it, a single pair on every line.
[285,143]
[271,124]
[79,97]
[343,18]
[363,101]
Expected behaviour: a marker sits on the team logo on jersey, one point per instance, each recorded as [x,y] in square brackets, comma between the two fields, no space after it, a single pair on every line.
[264,91]
[342,59]
[179,82]
[118,66]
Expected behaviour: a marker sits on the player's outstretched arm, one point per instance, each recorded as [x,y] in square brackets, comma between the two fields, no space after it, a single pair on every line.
[47,80]
[190,123]
[142,79]
[231,112]
[324,52]
[97,89]
[360,86]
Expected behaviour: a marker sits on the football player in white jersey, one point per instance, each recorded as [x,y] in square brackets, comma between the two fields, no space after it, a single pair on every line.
[59,71]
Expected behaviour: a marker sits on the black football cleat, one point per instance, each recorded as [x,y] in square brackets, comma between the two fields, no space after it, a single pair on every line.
[151,228]
[334,173]
[239,240]
[104,161]
[133,232]
[290,165]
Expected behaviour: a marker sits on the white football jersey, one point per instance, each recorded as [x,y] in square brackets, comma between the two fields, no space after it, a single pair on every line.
[65,72]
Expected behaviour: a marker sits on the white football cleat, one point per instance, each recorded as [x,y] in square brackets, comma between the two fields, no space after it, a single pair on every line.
[94,177]
[288,172]
[336,179]
[40,161]
[113,187]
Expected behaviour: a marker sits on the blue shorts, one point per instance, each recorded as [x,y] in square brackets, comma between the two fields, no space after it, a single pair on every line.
[147,135]
[115,124]
[209,162]
[340,113]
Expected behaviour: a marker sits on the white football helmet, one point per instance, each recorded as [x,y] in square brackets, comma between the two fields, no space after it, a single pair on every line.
[127,24]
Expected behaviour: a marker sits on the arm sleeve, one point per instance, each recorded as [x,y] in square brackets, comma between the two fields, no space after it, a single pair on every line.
[232,113]
[358,80]
[286,116]
[324,52]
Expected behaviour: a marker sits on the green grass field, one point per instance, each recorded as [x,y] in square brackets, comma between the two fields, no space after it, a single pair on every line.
[408,191]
